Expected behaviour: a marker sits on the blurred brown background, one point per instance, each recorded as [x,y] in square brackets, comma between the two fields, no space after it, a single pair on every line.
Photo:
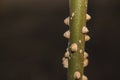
[32,45]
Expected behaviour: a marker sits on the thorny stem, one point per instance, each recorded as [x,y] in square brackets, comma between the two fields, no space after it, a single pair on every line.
[75,58]
[78,10]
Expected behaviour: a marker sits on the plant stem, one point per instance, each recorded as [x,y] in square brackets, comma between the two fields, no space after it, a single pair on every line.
[78,9]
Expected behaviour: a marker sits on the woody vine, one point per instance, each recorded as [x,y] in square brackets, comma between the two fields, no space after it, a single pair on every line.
[75,57]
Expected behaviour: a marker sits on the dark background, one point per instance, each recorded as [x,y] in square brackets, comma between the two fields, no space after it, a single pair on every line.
[32,45]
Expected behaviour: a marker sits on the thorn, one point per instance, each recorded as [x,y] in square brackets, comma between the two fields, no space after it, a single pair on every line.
[73,47]
[84,77]
[63,58]
[85,62]
[65,62]
[67,49]
[85,30]
[77,75]
[87,38]
[67,34]
[85,55]
[66,21]
[67,54]
[88,17]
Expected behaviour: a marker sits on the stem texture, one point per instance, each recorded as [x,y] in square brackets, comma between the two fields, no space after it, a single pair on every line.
[78,9]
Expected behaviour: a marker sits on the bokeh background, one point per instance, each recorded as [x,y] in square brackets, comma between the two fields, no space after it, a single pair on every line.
[32,45]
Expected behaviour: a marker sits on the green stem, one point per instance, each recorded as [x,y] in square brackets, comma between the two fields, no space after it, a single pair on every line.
[78,10]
